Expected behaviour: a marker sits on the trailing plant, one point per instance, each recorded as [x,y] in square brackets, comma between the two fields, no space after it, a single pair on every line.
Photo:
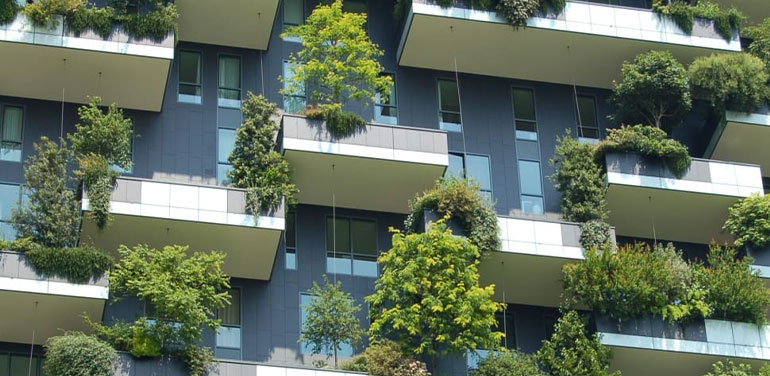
[101,20]
[330,320]
[460,199]
[654,89]
[646,141]
[749,221]
[76,354]
[51,217]
[572,351]
[517,12]
[683,14]
[155,24]
[257,166]
[595,234]
[428,297]
[8,10]
[730,81]
[339,123]
[76,264]
[733,289]
[579,179]
[43,12]
[337,62]
[508,363]
[760,41]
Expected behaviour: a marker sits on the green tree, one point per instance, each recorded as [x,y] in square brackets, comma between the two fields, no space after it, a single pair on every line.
[730,369]
[760,41]
[572,352]
[51,217]
[257,166]
[330,319]
[508,363]
[579,179]
[654,90]
[337,61]
[428,296]
[749,221]
[77,354]
[730,81]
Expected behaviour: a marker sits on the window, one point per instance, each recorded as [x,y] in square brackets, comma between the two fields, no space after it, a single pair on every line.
[229,331]
[306,348]
[293,13]
[291,240]
[354,6]
[472,166]
[351,246]
[531,187]
[189,77]
[588,123]
[449,118]
[11,126]
[225,145]
[20,365]
[385,111]
[230,81]
[293,101]
[10,198]
[524,114]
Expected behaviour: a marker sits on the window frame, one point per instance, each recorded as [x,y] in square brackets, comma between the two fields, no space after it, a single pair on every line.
[382,119]
[20,143]
[200,76]
[580,128]
[521,190]
[352,253]
[516,118]
[286,242]
[19,201]
[456,127]
[284,24]
[240,320]
[284,65]
[224,102]
[36,371]
[464,170]
[224,180]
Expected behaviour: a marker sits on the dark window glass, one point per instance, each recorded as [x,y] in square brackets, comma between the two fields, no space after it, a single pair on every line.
[456,165]
[10,197]
[342,230]
[364,237]
[293,12]
[524,114]
[11,128]
[231,315]
[385,110]
[189,77]
[529,174]
[291,241]
[588,123]
[229,80]
[354,6]
[449,106]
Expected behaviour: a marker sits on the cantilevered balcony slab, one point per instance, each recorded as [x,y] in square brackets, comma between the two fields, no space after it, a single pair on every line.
[56,64]
[646,200]
[584,45]
[742,137]
[203,217]
[654,347]
[36,308]
[236,23]
[380,168]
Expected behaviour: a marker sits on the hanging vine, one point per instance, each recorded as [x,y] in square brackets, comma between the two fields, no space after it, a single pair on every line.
[684,14]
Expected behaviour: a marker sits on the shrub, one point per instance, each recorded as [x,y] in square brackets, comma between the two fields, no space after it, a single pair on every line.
[382,357]
[749,221]
[518,11]
[8,9]
[155,24]
[731,81]
[357,363]
[760,41]
[595,234]
[654,89]
[100,20]
[733,289]
[76,354]
[339,123]
[579,179]
[682,13]
[43,12]
[730,369]
[508,363]
[460,199]
[198,359]
[646,141]
[571,351]
[77,265]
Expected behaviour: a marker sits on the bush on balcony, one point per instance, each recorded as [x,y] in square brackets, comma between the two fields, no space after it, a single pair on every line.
[579,179]
[730,81]
[460,199]
[646,141]
[749,221]
[654,89]
[8,9]
[508,363]
[595,234]
[760,41]
[382,357]
[74,354]
[257,166]
[683,14]
[76,264]
[733,289]
[337,62]
[517,12]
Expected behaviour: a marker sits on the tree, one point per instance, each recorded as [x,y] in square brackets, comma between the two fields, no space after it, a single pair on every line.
[331,320]
[730,81]
[257,166]
[508,363]
[428,297]
[337,61]
[760,41]
[381,358]
[51,217]
[579,179]
[653,90]
[572,352]
[76,354]
[730,369]
[749,221]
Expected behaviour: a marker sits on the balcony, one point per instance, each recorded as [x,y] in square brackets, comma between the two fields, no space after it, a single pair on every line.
[742,137]
[204,217]
[585,45]
[238,23]
[646,200]
[651,346]
[56,64]
[528,270]
[380,168]
[36,308]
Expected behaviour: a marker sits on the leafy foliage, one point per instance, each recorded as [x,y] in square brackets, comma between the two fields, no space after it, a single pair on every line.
[77,265]
[749,221]
[517,12]
[331,319]
[51,217]
[460,199]
[43,12]
[683,14]
[731,369]
[155,24]
[595,234]
[339,123]
[579,179]
[428,296]
[8,9]
[654,89]
[76,354]
[572,352]
[647,141]
[508,363]
[734,290]
[382,357]
[731,81]
[257,166]
[760,41]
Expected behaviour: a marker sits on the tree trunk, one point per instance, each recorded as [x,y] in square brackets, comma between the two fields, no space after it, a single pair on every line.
[335,358]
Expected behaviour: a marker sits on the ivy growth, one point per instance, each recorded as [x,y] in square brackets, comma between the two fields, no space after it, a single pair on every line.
[646,141]
[683,14]
[76,264]
[579,179]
